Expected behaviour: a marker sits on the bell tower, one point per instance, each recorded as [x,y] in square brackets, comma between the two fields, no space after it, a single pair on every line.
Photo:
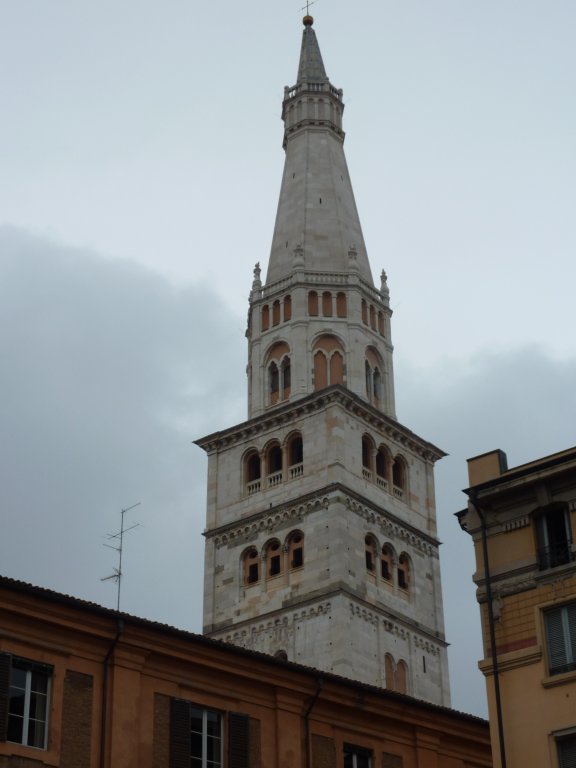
[321,541]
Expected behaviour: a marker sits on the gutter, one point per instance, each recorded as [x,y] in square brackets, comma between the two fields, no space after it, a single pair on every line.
[104,715]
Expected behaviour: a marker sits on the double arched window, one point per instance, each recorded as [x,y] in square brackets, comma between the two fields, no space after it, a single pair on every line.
[279,374]
[328,358]
[396,673]
[278,559]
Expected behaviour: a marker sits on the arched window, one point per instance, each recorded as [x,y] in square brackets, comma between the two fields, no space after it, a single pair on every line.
[274,558]
[287,308]
[252,472]
[389,669]
[273,465]
[364,312]
[251,567]
[295,452]
[399,473]
[381,327]
[328,361]
[341,308]
[387,563]
[295,549]
[276,312]
[273,382]
[265,323]
[402,677]
[313,304]
[368,374]
[382,467]
[279,372]
[404,572]
[370,550]
[377,386]
[367,457]
[327,304]
[372,317]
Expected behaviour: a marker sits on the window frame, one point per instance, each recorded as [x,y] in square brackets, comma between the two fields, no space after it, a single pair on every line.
[560,638]
[354,752]
[8,663]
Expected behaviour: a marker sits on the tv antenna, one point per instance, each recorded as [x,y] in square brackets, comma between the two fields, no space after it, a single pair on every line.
[117,545]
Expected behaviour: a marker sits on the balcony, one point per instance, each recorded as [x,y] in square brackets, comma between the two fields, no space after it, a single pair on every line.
[556,554]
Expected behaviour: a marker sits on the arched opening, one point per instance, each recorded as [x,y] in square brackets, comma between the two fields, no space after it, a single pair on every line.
[328,362]
[251,568]
[252,472]
[341,305]
[320,370]
[295,451]
[265,322]
[274,558]
[387,563]
[327,304]
[404,572]
[287,308]
[399,477]
[372,317]
[367,454]
[377,386]
[402,677]
[336,368]
[382,466]
[296,549]
[381,327]
[273,382]
[364,312]
[274,465]
[276,313]
[370,550]
[313,304]
[389,668]
[286,378]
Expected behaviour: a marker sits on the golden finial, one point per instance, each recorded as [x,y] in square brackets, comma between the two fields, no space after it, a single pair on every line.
[308,20]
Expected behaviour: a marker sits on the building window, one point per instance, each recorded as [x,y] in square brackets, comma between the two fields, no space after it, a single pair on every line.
[560,625]
[287,308]
[567,751]
[296,550]
[295,456]
[357,757]
[313,304]
[197,737]
[370,550]
[276,312]
[387,562]
[252,472]
[554,537]
[327,304]
[265,324]
[251,566]
[27,688]
[274,558]
[341,306]
[403,572]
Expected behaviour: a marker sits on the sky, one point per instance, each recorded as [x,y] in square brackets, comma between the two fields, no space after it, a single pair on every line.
[140,166]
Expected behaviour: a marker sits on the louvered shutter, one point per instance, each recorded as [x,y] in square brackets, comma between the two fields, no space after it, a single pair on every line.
[571,616]
[179,734]
[238,740]
[555,638]
[5,661]
[567,753]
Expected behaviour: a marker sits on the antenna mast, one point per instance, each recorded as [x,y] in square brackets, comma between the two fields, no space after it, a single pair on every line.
[119,537]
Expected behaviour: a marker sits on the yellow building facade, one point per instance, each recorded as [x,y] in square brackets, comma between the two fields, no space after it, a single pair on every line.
[522,522]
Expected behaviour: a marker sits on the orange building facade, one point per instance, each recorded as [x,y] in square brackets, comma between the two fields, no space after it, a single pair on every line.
[522,522]
[85,687]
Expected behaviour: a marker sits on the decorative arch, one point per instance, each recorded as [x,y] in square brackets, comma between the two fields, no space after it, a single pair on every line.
[399,477]
[387,563]
[295,549]
[273,555]
[371,553]
[278,371]
[368,451]
[328,358]
[273,463]
[295,455]
[250,566]
[252,471]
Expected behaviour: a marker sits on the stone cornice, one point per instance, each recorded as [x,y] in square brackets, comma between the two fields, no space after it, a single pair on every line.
[272,519]
[337,394]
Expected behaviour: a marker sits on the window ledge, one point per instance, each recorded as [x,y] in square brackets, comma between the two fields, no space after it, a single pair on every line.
[553,680]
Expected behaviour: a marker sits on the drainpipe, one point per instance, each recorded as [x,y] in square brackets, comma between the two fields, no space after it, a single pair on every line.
[492,629]
[104,716]
[319,684]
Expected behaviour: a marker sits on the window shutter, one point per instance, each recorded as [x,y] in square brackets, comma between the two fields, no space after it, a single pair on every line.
[555,637]
[179,734]
[567,753]
[571,623]
[238,740]
[5,661]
